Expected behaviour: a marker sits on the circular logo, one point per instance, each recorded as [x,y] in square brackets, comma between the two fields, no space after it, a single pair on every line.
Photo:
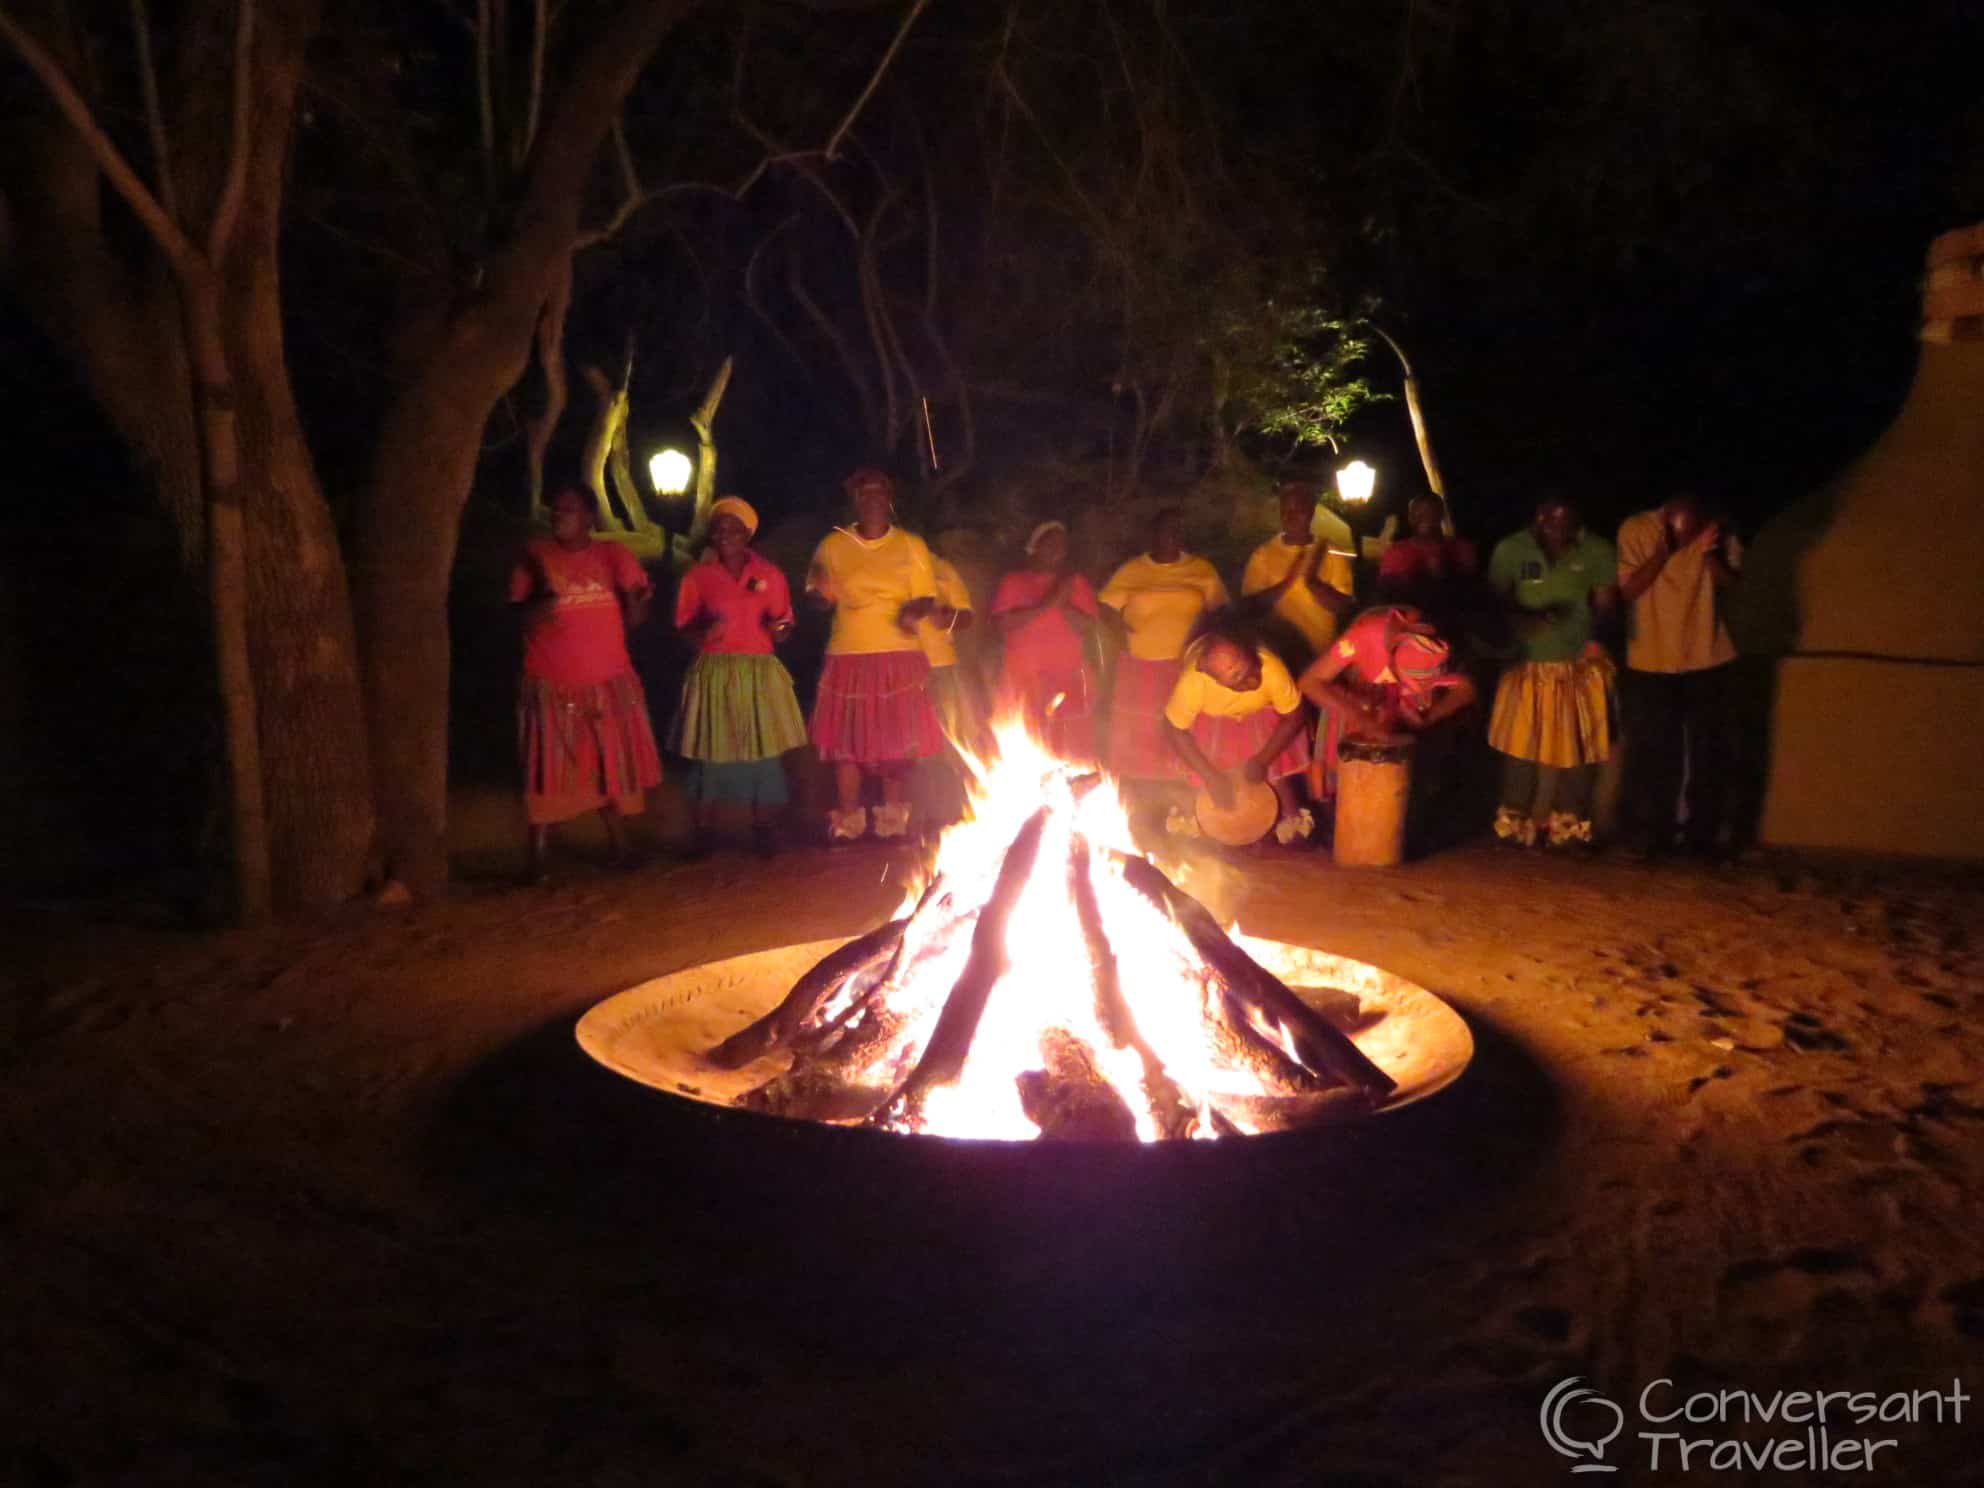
[1581,1437]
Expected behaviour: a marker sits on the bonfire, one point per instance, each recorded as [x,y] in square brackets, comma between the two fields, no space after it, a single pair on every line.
[1046,979]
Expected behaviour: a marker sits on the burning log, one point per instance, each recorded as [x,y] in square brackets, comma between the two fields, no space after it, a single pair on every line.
[944,1056]
[1313,1040]
[1241,1045]
[813,1094]
[845,1068]
[879,948]
[828,975]
[1172,1111]
[1070,1100]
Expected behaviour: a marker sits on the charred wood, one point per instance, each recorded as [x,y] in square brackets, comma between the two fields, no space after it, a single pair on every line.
[1315,1042]
[944,1056]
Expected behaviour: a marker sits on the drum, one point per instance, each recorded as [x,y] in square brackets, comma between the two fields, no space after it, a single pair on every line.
[1373,790]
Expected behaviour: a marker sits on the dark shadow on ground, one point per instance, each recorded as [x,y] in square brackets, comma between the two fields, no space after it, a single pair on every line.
[851,1249]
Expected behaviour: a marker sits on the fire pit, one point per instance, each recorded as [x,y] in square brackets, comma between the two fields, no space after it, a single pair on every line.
[1047,980]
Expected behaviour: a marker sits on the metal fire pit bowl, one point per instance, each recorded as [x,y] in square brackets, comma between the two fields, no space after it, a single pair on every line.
[655,1033]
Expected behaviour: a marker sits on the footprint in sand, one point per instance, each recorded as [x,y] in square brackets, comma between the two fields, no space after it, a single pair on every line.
[1806,1033]
[1805,1295]
[1966,1304]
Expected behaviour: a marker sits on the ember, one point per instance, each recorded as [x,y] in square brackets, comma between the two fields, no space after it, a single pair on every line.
[1049,980]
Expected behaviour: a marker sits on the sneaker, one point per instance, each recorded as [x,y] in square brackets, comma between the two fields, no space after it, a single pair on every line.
[1567,830]
[1514,827]
[892,821]
[1294,829]
[847,826]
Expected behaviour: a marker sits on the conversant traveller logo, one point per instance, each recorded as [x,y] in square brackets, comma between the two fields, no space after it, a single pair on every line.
[1595,1425]
[1788,1431]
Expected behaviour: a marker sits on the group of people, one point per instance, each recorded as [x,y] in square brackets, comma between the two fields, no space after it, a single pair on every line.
[1562,702]
[1205,691]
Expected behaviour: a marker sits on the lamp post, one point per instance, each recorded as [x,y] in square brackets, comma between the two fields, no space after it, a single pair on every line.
[1354,484]
[669,471]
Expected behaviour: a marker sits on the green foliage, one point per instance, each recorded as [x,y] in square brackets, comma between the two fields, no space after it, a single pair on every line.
[1295,372]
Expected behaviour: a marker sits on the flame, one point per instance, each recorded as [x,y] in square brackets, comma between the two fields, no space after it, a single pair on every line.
[1048,988]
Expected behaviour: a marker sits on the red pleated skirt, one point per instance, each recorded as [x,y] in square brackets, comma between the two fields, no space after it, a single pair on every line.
[1230,742]
[585,747]
[1138,746]
[875,709]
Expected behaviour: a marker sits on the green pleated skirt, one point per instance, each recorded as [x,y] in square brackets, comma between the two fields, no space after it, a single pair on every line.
[736,708]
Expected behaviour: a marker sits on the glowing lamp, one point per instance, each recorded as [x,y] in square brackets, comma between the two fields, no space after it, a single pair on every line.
[1354,483]
[669,470]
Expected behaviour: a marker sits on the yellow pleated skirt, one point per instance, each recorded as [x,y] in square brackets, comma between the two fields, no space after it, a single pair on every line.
[1555,713]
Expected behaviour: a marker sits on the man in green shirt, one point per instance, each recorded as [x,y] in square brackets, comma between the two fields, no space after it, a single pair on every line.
[1552,719]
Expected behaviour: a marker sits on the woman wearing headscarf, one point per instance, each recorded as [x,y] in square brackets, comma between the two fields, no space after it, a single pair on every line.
[1161,595]
[1552,720]
[1047,614]
[1388,673]
[873,718]
[582,716]
[738,713]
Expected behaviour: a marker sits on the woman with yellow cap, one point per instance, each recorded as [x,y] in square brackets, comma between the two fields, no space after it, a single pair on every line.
[738,712]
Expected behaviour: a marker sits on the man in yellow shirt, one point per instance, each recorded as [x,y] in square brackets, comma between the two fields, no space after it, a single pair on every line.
[1301,582]
[1235,707]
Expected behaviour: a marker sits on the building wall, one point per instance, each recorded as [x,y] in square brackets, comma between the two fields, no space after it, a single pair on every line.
[1870,595]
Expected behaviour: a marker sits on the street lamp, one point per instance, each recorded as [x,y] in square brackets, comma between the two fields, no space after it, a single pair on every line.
[669,470]
[1355,482]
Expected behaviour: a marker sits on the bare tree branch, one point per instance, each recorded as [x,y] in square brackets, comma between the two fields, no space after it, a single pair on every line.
[551,359]
[539,27]
[874,80]
[228,210]
[775,153]
[141,28]
[177,247]
[484,100]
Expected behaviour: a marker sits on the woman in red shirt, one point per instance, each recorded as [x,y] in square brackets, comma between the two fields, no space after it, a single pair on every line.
[582,717]
[738,713]
[1047,615]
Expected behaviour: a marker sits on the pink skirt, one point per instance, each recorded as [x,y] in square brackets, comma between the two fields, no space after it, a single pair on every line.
[874,709]
[1057,710]
[1230,742]
[1139,749]
[584,748]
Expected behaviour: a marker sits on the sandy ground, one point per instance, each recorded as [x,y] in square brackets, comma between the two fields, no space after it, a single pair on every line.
[343,1203]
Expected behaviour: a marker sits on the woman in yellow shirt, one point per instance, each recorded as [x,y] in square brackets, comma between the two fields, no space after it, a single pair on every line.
[1301,584]
[1160,596]
[872,716]
[1235,708]
[957,694]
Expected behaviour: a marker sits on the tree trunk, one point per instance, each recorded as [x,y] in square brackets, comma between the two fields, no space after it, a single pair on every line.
[227,598]
[407,525]
[314,757]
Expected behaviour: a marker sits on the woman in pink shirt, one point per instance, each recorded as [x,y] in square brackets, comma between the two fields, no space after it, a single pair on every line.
[582,717]
[738,712]
[1048,617]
